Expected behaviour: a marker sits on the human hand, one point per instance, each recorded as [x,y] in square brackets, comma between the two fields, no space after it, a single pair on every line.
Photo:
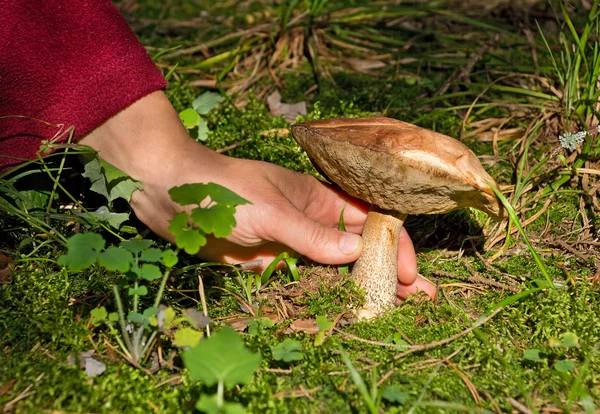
[289,211]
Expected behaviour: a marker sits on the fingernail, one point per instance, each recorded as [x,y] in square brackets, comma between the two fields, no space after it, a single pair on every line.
[349,243]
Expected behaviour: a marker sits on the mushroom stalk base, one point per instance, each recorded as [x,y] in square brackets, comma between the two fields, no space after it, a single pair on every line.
[376,270]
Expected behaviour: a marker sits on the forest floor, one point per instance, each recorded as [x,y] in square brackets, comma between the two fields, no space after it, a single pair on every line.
[515,325]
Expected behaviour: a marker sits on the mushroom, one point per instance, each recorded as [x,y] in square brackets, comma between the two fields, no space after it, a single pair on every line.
[399,169]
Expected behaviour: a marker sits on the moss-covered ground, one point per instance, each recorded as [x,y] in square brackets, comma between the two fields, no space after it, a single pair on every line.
[45,311]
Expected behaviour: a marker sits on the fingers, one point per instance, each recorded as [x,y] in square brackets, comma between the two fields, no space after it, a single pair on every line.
[420,284]
[407,259]
[314,240]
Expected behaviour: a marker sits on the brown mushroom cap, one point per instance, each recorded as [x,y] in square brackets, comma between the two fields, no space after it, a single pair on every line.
[398,166]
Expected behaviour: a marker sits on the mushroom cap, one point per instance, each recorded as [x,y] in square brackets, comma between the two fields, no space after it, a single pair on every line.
[398,166]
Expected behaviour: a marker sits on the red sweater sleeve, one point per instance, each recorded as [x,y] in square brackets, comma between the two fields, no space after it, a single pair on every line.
[69,62]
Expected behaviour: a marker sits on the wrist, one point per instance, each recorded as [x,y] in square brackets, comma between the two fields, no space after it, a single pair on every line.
[147,141]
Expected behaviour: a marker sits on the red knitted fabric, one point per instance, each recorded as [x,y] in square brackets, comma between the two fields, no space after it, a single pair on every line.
[69,62]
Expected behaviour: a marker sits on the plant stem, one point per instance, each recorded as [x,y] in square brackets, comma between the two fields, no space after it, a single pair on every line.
[122,322]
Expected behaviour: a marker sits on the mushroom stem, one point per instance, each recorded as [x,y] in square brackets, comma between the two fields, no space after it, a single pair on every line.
[376,270]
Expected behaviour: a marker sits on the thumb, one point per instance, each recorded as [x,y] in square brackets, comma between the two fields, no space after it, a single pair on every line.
[317,242]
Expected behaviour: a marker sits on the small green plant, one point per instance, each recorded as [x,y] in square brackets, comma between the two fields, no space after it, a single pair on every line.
[223,360]
[140,263]
[558,359]
[193,119]
[287,351]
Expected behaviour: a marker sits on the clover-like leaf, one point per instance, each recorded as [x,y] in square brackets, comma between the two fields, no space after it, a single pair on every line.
[394,394]
[136,246]
[208,404]
[206,102]
[135,317]
[98,315]
[169,258]
[532,355]
[149,272]
[221,358]
[190,240]
[202,134]
[217,219]
[190,118]
[140,291]
[178,223]
[256,324]
[151,255]
[288,351]
[570,340]
[186,337]
[83,251]
[564,365]
[149,312]
[187,194]
[116,259]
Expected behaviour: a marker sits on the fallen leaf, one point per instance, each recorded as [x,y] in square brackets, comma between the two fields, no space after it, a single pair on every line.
[308,326]
[6,266]
[365,65]
[289,111]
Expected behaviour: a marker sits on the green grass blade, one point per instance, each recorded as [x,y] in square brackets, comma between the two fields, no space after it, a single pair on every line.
[360,384]
[517,223]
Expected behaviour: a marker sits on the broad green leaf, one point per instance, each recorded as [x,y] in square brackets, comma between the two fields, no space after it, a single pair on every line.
[533,355]
[149,272]
[103,214]
[30,200]
[187,337]
[113,316]
[140,291]
[570,340]
[149,312]
[135,317]
[116,259]
[206,102]
[202,130]
[123,188]
[119,184]
[83,251]
[187,194]
[394,394]
[288,351]
[98,315]
[93,171]
[190,240]
[208,404]
[151,255]
[190,118]
[217,219]
[178,223]
[221,358]
[564,365]
[169,258]
[136,246]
